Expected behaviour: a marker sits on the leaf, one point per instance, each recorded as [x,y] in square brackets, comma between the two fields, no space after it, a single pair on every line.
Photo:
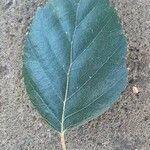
[74,61]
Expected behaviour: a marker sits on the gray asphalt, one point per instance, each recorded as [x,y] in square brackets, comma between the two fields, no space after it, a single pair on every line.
[126,126]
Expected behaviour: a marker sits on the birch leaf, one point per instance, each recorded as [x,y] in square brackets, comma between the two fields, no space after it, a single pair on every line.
[74,61]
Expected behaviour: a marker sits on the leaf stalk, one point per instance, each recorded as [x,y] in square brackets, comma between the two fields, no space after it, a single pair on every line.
[63,144]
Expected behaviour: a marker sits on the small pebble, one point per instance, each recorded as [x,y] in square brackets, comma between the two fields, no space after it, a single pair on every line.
[135,90]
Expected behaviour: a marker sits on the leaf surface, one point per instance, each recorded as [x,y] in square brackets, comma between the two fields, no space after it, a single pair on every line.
[74,61]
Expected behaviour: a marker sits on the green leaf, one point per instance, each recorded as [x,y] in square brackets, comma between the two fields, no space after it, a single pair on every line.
[74,61]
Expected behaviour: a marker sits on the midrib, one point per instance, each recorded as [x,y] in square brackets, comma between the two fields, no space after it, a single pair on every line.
[66,92]
[68,76]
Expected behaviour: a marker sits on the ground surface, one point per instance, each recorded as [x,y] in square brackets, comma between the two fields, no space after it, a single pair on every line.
[126,126]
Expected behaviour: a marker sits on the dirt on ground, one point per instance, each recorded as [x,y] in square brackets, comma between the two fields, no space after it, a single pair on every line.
[126,126]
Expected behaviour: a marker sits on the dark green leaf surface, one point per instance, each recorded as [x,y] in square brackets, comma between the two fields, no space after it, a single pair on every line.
[74,61]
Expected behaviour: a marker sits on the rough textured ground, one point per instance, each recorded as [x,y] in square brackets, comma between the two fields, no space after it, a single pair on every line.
[126,126]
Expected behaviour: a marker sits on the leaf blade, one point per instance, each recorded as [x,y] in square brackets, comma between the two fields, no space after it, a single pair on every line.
[74,53]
